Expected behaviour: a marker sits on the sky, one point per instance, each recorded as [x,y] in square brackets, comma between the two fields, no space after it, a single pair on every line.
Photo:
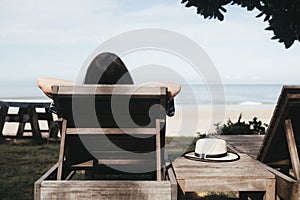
[51,38]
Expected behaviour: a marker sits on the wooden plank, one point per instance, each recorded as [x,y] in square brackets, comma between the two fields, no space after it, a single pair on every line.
[292,148]
[270,189]
[225,185]
[158,150]
[148,190]
[280,163]
[249,144]
[172,178]
[62,150]
[286,187]
[25,103]
[275,122]
[111,131]
[37,184]
[109,90]
[125,161]
[106,193]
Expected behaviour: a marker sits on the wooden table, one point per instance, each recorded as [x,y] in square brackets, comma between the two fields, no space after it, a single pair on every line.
[248,144]
[244,175]
[26,114]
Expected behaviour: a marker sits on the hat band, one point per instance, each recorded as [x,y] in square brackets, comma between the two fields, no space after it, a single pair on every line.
[203,155]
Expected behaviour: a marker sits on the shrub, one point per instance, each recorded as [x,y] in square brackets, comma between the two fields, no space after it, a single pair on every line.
[254,127]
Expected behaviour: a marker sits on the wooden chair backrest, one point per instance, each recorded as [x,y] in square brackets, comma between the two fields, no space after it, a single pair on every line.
[275,147]
[110,108]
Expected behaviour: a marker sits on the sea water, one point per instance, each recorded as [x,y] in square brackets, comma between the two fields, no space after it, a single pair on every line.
[229,94]
[236,94]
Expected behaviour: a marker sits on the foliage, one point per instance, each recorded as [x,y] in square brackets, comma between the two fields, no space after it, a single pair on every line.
[254,127]
[283,16]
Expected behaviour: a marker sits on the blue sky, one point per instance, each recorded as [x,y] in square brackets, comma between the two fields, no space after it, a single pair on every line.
[53,38]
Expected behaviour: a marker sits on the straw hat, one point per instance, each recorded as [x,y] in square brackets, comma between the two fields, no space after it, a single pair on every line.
[210,149]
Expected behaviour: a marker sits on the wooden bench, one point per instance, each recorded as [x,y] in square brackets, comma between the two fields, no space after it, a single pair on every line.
[246,175]
[26,114]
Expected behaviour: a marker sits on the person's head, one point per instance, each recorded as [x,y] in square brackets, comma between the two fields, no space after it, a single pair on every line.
[107,68]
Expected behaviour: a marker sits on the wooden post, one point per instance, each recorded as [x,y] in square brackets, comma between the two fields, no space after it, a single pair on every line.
[62,150]
[3,112]
[35,128]
[158,149]
[21,126]
[290,137]
[270,191]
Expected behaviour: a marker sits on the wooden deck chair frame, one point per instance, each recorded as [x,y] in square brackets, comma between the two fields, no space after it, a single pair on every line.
[102,94]
[280,148]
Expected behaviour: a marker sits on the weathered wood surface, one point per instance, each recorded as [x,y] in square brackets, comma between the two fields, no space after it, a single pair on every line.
[112,190]
[288,107]
[110,131]
[105,190]
[280,146]
[109,90]
[286,187]
[290,137]
[245,174]
[248,144]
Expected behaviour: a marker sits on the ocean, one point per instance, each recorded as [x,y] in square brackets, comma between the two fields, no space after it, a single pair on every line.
[233,94]
[189,95]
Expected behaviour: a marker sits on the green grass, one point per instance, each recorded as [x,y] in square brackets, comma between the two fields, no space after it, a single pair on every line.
[23,162]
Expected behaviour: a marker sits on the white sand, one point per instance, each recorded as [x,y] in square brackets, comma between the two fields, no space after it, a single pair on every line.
[188,121]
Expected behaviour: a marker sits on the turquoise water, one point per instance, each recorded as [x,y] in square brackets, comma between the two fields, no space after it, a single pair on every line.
[189,95]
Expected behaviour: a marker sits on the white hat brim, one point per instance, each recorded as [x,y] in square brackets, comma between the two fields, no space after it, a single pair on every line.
[228,158]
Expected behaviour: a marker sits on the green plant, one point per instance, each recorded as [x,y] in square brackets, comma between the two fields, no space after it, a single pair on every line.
[254,127]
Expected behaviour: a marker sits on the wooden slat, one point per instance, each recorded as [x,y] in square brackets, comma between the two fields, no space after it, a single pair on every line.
[25,103]
[279,163]
[37,184]
[62,150]
[286,187]
[109,90]
[158,150]
[292,148]
[248,144]
[73,131]
[171,176]
[125,161]
[274,124]
[112,190]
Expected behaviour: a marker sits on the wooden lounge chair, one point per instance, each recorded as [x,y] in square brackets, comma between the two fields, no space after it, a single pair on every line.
[115,129]
[280,147]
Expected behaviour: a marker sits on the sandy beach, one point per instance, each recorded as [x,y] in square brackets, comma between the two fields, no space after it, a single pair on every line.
[190,120]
